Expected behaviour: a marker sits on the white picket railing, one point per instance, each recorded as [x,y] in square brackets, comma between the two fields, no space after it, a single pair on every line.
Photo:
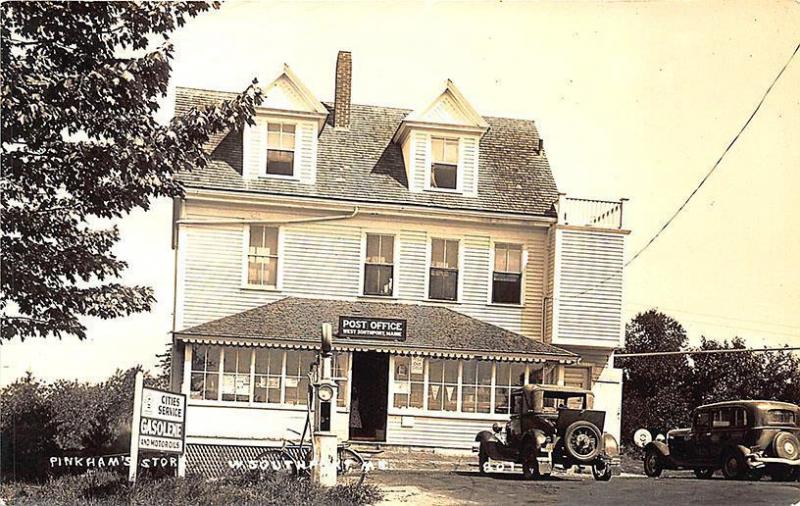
[590,213]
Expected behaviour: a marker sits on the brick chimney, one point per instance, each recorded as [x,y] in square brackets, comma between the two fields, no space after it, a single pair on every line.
[341,104]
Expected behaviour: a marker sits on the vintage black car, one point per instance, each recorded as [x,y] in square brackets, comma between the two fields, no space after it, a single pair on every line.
[745,439]
[550,426]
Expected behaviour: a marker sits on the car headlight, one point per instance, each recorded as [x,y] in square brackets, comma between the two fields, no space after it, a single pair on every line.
[610,445]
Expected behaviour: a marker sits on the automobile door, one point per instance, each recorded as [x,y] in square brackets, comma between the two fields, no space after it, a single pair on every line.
[728,429]
[701,451]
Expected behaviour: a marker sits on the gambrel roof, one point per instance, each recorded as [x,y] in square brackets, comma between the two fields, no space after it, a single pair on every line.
[362,164]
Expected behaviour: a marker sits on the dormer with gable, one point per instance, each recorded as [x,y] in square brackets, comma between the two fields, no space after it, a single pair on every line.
[440,144]
[282,144]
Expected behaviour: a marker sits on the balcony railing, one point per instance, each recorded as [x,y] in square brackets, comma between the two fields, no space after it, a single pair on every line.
[590,213]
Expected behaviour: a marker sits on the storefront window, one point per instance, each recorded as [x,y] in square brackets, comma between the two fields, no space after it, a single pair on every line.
[278,376]
[236,364]
[205,373]
[510,375]
[268,375]
[442,385]
[341,368]
[409,382]
[477,387]
[298,364]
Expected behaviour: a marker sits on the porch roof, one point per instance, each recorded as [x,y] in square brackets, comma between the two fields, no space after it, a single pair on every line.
[430,330]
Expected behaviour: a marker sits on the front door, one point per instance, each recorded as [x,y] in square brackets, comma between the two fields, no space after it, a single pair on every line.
[369,396]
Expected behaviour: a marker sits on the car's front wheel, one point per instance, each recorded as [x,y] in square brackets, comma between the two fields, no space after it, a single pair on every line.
[733,465]
[652,463]
[704,473]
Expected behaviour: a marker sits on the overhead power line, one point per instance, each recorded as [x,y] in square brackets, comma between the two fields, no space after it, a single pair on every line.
[719,160]
[704,352]
[697,188]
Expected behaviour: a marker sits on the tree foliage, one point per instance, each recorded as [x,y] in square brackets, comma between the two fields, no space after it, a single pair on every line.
[660,392]
[81,83]
[40,420]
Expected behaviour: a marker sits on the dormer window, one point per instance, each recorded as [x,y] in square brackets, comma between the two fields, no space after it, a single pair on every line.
[280,149]
[444,163]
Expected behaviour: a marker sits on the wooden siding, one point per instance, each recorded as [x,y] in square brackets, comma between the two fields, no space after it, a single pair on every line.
[420,159]
[468,152]
[436,432]
[589,288]
[324,260]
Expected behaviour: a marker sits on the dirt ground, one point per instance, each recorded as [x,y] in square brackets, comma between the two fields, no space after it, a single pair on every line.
[468,487]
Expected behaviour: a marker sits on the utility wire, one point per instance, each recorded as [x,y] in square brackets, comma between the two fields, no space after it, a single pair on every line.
[696,189]
[704,352]
[719,160]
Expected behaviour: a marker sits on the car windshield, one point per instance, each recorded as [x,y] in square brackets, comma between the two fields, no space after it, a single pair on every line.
[552,403]
[781,417]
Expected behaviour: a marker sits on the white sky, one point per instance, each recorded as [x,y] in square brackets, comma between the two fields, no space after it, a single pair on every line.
[633,100]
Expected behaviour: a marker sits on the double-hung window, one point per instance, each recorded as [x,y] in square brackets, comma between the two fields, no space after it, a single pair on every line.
[379,265]
[268,375]
[262,256]
[409,382]
[443,385]
[205,372]
[507,275]
[444,163]
[236,374]
[443,282]
[298,364]
[477,386]
[280,149]
[510,375]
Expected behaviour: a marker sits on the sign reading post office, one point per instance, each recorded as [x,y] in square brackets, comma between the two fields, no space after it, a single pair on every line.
[360,327]
[162,422]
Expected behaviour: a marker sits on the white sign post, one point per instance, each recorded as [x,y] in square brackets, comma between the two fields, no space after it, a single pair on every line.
[159,421]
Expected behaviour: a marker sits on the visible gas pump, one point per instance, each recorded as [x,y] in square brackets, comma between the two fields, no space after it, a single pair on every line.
[324,391]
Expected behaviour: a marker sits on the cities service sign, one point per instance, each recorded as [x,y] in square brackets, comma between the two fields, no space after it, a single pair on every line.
[162,421]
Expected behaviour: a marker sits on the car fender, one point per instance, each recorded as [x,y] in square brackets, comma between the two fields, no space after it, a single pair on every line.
[659,446]
[490,444]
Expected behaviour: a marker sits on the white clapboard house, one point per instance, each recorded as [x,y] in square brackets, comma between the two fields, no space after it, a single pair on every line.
[433,240]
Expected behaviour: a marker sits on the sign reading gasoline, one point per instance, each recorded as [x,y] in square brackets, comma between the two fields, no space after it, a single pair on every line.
[372,328]
[163,420]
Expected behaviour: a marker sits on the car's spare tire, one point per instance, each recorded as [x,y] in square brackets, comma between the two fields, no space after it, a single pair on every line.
[786,446]
[583,441]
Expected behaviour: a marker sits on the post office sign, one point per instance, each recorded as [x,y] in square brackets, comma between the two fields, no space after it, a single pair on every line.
[360,327]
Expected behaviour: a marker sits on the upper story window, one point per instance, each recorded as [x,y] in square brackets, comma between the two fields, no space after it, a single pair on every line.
[280,149]
[443,283]
[444,163]
[379,265]
[262,256]
[507,275]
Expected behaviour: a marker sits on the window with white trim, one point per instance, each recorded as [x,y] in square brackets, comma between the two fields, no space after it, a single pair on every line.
[476,390]
[444,163]
[341,369]
[236,364]
[262,256]
[409,382]
[204,382]
[279,377]
[298,364]
[443,276]
[507,275]
[442,384]
[509,375]
[268,376]
[379,265]
[280,149]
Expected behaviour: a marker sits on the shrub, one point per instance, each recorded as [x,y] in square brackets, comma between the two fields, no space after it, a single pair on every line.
[104,488]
